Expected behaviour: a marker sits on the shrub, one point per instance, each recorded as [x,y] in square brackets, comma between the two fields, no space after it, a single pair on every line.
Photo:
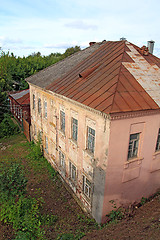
[8,127]
[24,215]
[12,182]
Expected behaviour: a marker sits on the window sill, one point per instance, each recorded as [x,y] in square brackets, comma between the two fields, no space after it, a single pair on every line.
[73,142]
[132,160]
[88,199]
[157,153]
[89,153]
[62,134]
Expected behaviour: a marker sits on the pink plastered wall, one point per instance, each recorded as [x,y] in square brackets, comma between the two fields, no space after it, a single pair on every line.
[127,181]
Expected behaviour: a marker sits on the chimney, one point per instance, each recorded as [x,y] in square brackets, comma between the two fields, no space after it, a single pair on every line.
[91,43]
[122,39]
[150,45]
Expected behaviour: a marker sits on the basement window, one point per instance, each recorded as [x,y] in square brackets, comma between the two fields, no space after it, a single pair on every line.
[158,141]
[133,146]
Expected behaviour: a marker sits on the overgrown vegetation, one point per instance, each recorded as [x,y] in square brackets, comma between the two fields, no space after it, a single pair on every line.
[16,207]
[115,214]
[8,127]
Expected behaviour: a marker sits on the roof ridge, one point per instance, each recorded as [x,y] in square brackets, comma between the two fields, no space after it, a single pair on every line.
[65,59]
[118,76]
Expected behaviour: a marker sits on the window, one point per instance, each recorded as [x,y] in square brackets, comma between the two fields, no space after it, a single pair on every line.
[34,101]
[72,171]
[74,129]
[62,121]
[39,105]
[46,144]
[91,139]
[62,159]
[158,141]
[133,145]
[87,187]
[45,109]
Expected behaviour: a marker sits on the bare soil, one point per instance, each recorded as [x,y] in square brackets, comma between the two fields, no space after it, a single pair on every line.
[143,224]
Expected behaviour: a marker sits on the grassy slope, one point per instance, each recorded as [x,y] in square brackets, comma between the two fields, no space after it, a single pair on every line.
[145,223]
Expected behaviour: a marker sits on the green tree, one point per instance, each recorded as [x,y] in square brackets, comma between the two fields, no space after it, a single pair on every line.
[71,50]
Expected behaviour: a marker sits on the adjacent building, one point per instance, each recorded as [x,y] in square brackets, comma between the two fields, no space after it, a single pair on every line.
[20,105]
[98,115]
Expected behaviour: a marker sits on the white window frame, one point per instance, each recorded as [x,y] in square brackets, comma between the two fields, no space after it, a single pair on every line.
[91,139]
[87,187]
[158,142]
[133,145]
[72,171]
[62,121]
[74,129]
[62,159]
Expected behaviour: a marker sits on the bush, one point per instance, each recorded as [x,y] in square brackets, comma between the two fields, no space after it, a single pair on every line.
[8,127]
[15,208]
[12,182]
[24,215]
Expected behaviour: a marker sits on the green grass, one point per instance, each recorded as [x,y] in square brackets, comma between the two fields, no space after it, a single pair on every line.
[41,176]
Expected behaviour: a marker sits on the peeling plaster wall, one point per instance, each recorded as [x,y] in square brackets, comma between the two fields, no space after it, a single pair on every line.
[92,166]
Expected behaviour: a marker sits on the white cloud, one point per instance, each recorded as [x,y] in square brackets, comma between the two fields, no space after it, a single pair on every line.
[56,25]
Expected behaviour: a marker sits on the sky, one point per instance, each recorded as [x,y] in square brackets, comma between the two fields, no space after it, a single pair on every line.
[50,26]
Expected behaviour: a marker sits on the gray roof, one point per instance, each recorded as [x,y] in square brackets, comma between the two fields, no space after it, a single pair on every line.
[20,94]
[48,75]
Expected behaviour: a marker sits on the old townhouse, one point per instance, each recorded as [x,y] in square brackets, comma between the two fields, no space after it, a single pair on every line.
[98,114]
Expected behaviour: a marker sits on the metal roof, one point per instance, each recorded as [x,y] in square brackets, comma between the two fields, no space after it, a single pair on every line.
[19,94]
[22,97]
[115,77]
[59,69]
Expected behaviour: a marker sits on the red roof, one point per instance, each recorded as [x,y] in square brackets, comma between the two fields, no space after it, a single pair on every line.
[22,97]
[103,82]
[24,100]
